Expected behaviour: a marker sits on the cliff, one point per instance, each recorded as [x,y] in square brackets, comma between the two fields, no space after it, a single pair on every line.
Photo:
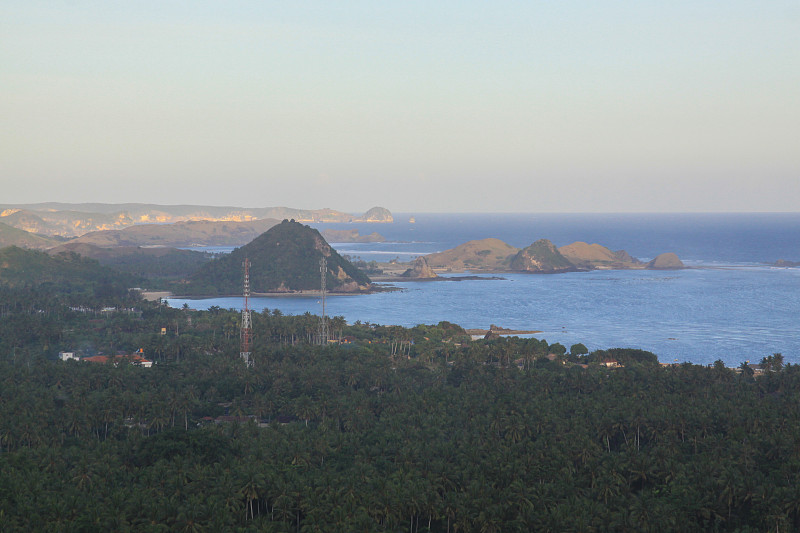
[419,270]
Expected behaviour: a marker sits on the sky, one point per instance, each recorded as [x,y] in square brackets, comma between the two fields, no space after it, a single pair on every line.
[417,106]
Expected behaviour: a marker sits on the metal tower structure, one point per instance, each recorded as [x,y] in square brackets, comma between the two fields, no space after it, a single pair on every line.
[247,328]
[322,334]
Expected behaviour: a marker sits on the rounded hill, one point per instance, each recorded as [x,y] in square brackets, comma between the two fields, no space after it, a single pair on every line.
[286,258]
[484,254]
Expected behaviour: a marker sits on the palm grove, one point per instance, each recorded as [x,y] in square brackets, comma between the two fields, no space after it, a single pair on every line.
[399,430]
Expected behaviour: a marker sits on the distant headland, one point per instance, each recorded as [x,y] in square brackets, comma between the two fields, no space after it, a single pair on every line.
[63,220]
[541,257]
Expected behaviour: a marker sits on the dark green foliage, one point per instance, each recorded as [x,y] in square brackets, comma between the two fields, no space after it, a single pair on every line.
[170,263]
[558,349]
[286,257]
[197,446]
[624,356]
[578,349]
[86,280]
[402,430]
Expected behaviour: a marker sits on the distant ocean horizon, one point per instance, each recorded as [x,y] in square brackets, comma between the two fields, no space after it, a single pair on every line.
[734,306]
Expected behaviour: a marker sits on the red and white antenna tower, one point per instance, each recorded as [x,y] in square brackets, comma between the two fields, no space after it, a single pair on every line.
[247,328]
[322,333]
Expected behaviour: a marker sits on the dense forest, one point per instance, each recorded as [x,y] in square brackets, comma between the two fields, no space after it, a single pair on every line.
[387,429]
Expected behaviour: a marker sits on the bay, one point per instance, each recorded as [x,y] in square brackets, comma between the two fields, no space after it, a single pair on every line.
[733,307]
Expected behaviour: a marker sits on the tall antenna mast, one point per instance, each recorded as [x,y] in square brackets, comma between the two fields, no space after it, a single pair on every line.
[323,320]
[247,328]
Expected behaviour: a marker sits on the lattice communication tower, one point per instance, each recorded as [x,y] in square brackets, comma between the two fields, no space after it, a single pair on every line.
[322,334]
[247,327]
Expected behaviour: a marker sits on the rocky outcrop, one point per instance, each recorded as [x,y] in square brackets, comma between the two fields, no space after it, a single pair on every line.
[594,256]
[376,214]
[419,270]
[667,261]
[624,257]
[541,257]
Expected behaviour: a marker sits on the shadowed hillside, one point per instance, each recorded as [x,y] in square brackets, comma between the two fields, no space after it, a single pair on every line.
[286,258]
[11,236]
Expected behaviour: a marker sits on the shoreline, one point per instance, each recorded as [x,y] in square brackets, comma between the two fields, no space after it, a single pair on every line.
[164,295]
[503,332]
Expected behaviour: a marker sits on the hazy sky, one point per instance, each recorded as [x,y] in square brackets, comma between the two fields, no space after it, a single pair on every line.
[413,105]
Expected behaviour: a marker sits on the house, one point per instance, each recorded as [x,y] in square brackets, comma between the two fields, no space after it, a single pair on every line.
[66,356]
[611,363]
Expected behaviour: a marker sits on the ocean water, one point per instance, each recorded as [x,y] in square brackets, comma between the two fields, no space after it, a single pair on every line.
[732,305]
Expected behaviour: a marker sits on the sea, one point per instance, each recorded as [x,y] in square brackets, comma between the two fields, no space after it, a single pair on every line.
[732,304]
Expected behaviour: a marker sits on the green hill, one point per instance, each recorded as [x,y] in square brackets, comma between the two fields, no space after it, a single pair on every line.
[158,262]
[11,236]
[66,271]
[283,259]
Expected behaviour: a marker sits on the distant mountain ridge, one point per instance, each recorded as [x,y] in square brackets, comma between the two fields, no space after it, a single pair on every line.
[73,220]
[185,233]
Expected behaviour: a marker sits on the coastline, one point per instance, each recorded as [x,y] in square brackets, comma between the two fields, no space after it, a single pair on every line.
[164,295]
[503,332]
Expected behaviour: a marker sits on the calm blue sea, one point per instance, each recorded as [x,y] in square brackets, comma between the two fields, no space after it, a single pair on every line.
[733,306]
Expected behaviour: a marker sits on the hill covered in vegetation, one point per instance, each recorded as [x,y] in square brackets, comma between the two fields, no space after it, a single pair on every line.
[66,272]
[152,263]
[11,236]
[285,258]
